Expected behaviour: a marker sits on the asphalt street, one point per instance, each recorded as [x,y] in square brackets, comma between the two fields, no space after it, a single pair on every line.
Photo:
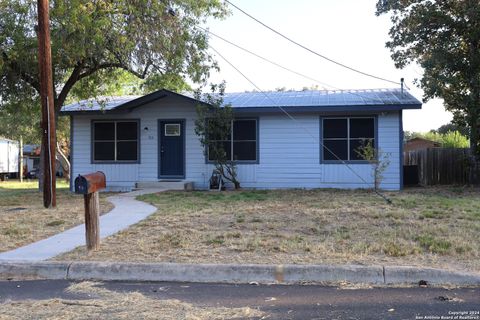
[285,302]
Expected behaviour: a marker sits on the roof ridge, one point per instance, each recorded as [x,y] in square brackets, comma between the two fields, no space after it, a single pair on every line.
[320,91]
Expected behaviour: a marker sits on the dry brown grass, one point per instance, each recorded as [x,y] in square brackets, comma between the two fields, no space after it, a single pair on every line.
[24,220]
[432,227]
[105,304]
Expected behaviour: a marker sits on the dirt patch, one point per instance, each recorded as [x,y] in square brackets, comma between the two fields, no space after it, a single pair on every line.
[24,220]
[431,227]
[105,304]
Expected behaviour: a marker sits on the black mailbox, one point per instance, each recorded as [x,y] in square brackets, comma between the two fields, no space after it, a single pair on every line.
[90,183]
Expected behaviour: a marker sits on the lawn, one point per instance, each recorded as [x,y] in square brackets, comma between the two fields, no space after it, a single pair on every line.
[24,220]
[434,227]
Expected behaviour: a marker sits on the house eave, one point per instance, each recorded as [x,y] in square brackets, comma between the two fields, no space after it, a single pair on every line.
[125,108]
[316,109]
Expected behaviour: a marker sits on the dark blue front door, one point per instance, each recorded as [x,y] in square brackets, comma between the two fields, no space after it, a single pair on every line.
[172,148]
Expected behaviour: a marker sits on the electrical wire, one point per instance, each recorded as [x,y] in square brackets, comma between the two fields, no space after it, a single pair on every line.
[311,50]
[49,153]
[268,60]
[288,69]
[303,127]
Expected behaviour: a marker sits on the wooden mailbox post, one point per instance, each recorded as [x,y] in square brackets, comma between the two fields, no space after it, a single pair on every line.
[89,185]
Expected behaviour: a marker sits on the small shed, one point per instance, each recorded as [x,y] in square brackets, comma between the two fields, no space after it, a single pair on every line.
[420,144]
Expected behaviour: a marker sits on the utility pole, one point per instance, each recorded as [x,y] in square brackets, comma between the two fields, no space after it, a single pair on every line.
[47,101]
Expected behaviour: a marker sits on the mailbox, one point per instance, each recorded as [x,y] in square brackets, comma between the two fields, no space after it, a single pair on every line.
[90,183]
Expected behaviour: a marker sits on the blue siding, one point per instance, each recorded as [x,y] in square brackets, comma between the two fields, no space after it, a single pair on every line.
[289,152]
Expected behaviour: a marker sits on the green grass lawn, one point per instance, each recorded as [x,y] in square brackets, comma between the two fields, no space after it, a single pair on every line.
[23,219]
[435,227]
[29,184]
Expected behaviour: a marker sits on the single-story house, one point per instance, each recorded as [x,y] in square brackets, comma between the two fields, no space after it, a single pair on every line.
[304,139]
[420,144]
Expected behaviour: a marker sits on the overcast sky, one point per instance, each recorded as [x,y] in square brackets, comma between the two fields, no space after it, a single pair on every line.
[345,30]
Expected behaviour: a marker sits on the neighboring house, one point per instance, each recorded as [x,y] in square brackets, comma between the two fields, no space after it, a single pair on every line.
[31,157]
[152,138]
[420,144]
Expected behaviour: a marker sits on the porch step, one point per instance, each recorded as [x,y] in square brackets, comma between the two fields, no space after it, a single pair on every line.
[170,185]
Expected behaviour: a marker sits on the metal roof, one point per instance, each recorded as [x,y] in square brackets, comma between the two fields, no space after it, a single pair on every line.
[103,103]
[368,100]
[316,98]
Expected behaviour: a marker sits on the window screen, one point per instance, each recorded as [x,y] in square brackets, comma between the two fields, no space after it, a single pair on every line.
[115,141]
[343,137]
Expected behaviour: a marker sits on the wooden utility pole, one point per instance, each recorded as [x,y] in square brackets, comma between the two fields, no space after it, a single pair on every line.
[47,101]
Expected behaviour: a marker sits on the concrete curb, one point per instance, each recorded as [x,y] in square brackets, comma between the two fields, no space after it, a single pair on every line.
[394,275]
[230,273]
[33,270]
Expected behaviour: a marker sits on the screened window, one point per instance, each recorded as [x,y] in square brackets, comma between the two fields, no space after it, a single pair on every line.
[115,141]
[343,137]
[241,144]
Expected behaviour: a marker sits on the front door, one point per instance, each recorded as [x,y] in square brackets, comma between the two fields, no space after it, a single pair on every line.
[171,149]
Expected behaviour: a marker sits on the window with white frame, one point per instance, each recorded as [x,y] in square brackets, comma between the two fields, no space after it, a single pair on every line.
[115,141]
[343,137]
[241,144]
[172,129]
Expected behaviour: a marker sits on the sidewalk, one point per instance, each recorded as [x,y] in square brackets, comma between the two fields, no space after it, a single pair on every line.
[127,211]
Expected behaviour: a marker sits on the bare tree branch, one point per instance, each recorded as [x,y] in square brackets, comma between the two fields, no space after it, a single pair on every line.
[74,77]
[80,72]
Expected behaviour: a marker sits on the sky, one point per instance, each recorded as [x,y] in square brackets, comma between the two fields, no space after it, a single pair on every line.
[347,31]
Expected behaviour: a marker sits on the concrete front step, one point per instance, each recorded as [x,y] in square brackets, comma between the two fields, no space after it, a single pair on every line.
[170,185]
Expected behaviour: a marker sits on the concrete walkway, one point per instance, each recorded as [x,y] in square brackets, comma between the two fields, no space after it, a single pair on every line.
[127,211]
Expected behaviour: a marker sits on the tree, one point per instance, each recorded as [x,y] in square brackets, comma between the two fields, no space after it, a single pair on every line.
[377,158]
[443,37]
[213,127]
[453,127]
[454,139]
[21,118]
[152,40]
[451,139]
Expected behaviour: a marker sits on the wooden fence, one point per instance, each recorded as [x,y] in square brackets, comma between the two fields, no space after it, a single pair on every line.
[443,166]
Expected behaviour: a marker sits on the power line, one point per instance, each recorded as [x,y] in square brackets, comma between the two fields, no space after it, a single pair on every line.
[296,121]
[267,60]
[288,69]
[310,50]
